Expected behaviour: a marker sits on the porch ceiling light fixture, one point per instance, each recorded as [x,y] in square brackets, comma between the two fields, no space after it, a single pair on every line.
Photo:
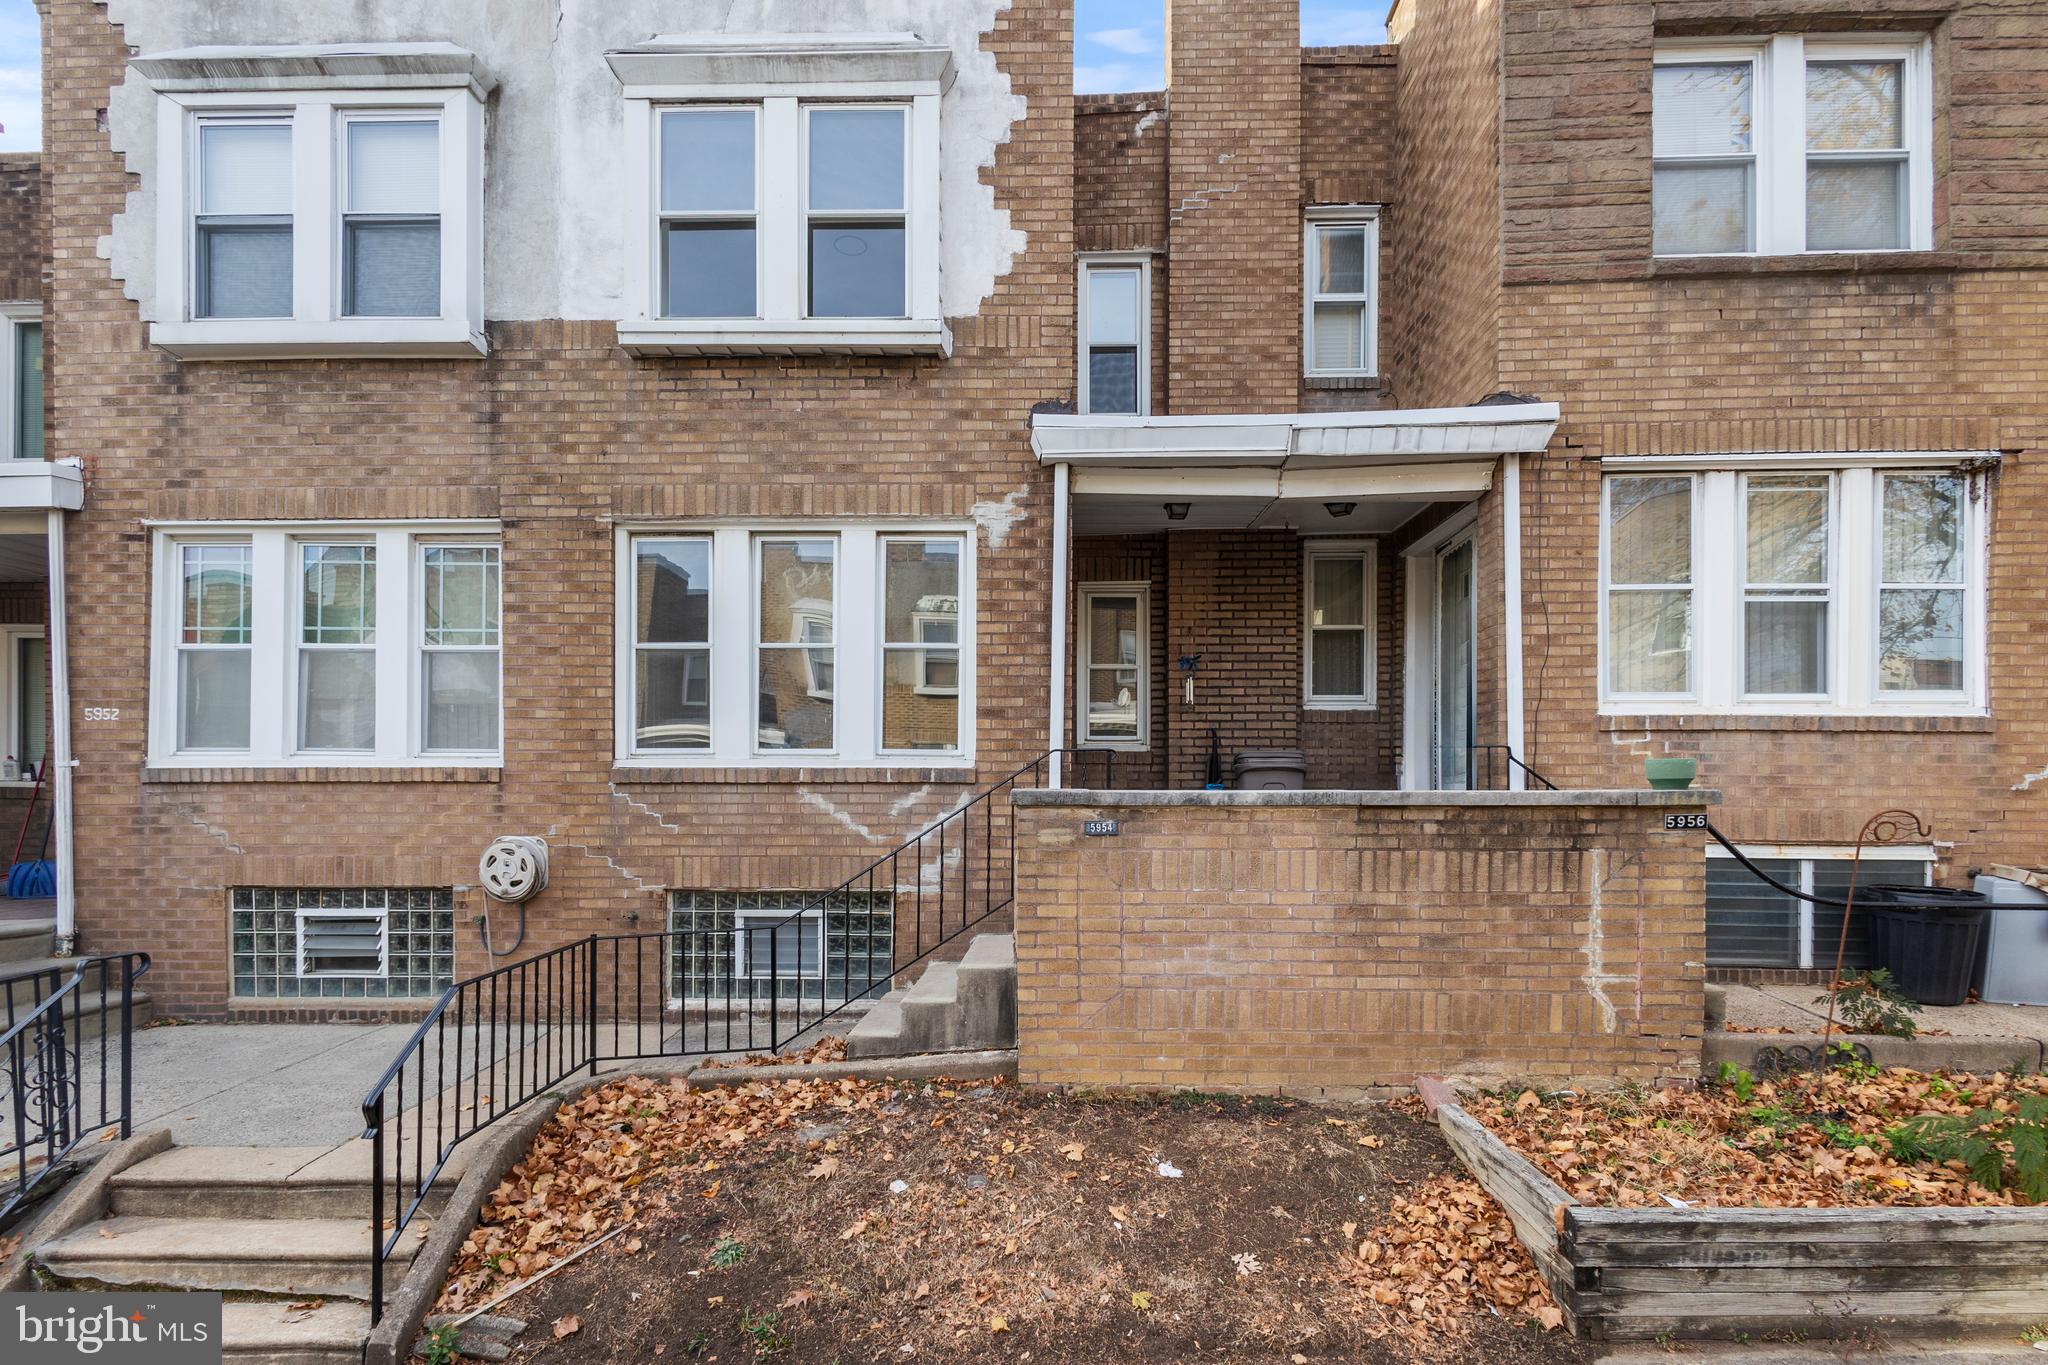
[1177,511]
[1340,509]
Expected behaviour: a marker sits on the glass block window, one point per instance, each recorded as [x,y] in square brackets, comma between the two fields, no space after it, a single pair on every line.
[747,945]
[325,943]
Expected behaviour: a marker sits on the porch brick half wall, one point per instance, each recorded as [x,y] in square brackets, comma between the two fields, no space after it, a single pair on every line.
[1335,942]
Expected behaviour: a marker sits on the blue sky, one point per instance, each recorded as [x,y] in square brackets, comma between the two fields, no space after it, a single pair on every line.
[1116,47]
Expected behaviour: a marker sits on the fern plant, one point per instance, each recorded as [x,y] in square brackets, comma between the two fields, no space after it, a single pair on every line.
[1986,1141]
[1870,1002]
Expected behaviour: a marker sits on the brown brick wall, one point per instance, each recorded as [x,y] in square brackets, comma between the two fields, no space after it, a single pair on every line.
[1332,948]
[23,250]
[558,432]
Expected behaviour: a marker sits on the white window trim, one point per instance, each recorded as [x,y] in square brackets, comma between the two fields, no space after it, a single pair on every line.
[274,652]
[1367,553]
[12,688]
[317,327]
[1826,592]
[1717,589]
[1778,111]
[381,914]
[812,918]
[1366,216]
[1806,855]
[857,646]
[782,77]
[13,315]
[1141,262]
[1084,595]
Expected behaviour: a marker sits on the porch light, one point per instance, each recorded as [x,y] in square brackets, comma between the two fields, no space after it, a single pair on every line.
[1177,511]
[1340,509]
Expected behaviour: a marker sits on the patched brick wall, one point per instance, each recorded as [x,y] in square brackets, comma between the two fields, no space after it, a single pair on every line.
[23,247]
[1333,947]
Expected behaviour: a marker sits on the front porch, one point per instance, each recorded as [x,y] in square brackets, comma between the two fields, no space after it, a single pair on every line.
[1332,599]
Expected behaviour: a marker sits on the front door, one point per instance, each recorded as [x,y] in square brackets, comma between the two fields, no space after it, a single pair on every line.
[1455,718]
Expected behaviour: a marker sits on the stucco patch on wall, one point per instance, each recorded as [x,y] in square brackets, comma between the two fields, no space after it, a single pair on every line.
[554,241]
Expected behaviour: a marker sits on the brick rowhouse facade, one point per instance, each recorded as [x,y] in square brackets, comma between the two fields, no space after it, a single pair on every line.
[1507,148]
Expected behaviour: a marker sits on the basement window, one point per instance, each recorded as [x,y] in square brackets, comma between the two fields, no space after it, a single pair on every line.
[331,943]
[1751,923]
[746,946]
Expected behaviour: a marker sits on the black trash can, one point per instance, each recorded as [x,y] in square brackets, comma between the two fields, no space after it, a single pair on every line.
[1927,937]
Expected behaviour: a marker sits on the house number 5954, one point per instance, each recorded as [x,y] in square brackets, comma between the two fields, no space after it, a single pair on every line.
[103,713]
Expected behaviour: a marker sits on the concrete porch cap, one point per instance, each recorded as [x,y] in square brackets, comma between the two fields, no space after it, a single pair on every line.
[1611,797]
[1295,440]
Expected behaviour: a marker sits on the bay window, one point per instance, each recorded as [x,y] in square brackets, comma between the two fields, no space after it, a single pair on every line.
[710,253]
[391,217]
[242,229]
[331,645]
[798,646]
[1794,143]
[1854,588]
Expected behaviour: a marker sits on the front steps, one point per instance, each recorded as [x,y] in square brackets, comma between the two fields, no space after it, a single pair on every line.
[274,1228]
[955,1006]
[26,946]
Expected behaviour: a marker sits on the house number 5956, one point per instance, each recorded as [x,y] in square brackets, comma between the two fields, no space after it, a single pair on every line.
[103,713]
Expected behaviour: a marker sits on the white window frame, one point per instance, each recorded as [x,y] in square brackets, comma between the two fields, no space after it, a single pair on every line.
[1824,592]
[664,216]
[1084,596]
[783,78]
[14,315]
[1366,216]
[734,629]
[811,918]
[13,689]
[318,327]
[275,642]
[295,612]
[1806,855]
[1139,262]
[1366,553]
[382,914]
[1778,141]
[1717,674]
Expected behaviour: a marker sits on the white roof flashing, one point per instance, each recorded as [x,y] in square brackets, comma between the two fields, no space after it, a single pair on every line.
[308,66]
[1297,439]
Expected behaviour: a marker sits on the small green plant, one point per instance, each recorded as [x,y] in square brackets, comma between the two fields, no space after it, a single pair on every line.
[1870,1002]
[1986,1141]
[1838,1133]
[1842,1057]
[2034,1335]
[441,1345]
[1738,1080]
[698,1344]
[761,1327]
[727,1253]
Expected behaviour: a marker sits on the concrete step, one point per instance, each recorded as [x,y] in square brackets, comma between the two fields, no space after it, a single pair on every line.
[18,997]
[969,1004]
[24,940]
[269,1332]
[296,1256]
[249,1183]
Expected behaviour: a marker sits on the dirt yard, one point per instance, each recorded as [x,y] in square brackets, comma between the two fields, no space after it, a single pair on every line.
[843,1221]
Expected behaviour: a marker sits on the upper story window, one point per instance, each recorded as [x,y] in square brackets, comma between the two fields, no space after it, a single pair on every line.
[1852,588]
[1793,144]
[299,217]
[786,195]
[1116,335]
[21,381]
[1340,311]
[333,645]
[810,646]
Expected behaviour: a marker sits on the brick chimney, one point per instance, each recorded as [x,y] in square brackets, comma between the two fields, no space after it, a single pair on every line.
[1233,74]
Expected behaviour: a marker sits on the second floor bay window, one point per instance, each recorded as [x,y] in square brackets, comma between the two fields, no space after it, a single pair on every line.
[1793,144]
[787,193]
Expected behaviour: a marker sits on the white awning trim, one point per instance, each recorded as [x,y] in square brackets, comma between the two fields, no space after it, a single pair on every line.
[1415,434]
[693,61]
[41,485]
[314,66]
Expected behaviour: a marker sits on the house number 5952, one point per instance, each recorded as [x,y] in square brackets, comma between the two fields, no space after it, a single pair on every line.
[103,713]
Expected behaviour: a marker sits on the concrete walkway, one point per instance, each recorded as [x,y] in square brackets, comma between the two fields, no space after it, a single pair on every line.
[1794,1007]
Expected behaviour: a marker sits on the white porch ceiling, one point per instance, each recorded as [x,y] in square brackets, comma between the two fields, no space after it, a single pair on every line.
[1132,514]
[1111,501]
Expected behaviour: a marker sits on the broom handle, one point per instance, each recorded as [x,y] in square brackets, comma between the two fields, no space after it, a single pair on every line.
[22,838]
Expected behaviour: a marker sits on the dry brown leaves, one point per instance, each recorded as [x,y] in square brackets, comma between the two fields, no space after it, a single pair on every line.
[1802,1141]
[1443,1252]
[824,1050]
[580,1177]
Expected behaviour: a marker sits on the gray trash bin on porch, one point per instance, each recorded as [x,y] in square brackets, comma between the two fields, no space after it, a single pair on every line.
[1269,770]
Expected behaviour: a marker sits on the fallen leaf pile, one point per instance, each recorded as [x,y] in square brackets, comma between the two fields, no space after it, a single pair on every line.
[824,1050]
[1443,1252]
[1800,1141]
[582,1175]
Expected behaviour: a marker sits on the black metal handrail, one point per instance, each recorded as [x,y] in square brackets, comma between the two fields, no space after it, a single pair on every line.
[494,1041]
[1501,762]
[54,1101]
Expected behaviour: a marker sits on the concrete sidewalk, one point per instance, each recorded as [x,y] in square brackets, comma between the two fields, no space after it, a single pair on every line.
[1795,1007]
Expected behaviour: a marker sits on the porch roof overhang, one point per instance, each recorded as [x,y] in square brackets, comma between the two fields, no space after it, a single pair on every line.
[41,486]
[1294,440]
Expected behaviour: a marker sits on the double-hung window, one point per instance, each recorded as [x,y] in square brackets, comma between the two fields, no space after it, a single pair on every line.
[1792,144]
[1340,323]
[787,646]
[1115,654]
[1857,587]
[294,218]
[21,381]
[329,645]
[1115,330]
[1337,635]
[787,195]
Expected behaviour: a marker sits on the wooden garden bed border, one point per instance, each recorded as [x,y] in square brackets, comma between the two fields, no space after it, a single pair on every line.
[1631,1274]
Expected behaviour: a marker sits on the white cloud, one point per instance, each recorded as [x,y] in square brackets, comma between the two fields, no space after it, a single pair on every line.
[1132,42]
[1101,78]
